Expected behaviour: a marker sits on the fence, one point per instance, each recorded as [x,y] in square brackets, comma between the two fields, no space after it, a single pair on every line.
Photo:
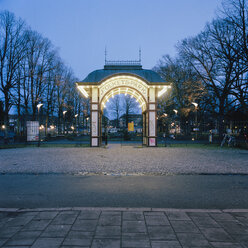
[78,130]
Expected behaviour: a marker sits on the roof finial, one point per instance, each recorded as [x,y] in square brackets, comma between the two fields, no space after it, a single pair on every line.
[139,54]
[105,54]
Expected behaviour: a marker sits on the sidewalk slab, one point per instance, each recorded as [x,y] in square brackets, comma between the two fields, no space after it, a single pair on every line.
[124,227]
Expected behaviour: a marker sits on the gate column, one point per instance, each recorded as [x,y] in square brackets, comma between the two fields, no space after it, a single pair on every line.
[94,125]
[152,117]
[144,130]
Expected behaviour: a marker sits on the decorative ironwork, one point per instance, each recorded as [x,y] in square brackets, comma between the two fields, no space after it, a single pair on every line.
[122,62]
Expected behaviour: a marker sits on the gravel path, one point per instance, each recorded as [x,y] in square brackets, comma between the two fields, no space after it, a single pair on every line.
[117,159]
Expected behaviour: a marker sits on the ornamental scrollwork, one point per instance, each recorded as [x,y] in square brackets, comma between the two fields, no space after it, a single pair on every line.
[111,84]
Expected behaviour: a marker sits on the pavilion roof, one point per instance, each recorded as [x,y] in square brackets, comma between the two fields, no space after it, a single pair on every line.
[109,70]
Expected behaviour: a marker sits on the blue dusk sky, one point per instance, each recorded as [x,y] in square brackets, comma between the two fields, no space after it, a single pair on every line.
[81,29]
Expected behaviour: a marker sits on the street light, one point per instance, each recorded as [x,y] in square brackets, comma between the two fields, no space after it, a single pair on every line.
[76,115]
[64,112]
[196,107]
[176,111]
[38,107]
[195,104]
[87,124]
[164,115]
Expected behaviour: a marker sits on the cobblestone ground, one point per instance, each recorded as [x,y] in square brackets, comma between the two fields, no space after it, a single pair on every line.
[119,159]
[156,228]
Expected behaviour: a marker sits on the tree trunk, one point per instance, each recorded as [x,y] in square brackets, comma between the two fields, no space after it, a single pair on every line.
[6,119]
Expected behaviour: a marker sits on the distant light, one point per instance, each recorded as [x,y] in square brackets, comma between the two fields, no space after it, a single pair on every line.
[3,126]
[41,126]
[39,105]
[52,127]
[64,112]
[195,104]
[76,115]
[72,127]
[176,111]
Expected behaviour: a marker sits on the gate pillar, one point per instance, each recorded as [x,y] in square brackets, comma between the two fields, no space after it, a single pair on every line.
[94,124]
[152,117]
[144,130]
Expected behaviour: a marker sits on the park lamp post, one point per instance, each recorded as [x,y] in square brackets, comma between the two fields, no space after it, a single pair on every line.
[175,111]
[76,115]
[87,119]
[38,107]
[196,107]
[64,112]
[164,115]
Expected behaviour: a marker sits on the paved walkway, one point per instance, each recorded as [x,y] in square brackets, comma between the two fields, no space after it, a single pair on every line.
[124,160]
[120,227]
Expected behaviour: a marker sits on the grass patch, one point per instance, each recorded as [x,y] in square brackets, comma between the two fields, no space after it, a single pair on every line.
[9,146]
[65,145]
[204,146]
[208,146]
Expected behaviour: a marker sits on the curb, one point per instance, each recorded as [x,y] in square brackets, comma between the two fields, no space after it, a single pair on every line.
[19,210]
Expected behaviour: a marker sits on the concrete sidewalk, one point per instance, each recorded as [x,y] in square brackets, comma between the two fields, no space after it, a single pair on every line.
[122,227]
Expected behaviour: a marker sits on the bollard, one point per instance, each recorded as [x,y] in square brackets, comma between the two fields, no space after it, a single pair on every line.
[164,139]
[106,139]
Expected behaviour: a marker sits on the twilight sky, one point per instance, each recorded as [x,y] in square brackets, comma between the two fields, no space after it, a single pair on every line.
[81,29]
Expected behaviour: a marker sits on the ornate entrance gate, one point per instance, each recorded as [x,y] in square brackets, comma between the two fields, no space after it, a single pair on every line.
[124,78]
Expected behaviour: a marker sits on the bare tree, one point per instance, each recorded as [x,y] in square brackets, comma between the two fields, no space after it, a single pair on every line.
[213,56]
[12,51]
[235,13]
[187,87]
[40,61]
[129,106]
[115,108]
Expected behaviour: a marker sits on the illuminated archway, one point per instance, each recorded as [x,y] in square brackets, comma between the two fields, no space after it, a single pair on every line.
[126,91]
[144,85]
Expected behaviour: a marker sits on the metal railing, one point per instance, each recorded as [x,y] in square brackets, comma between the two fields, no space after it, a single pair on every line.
[122,62]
